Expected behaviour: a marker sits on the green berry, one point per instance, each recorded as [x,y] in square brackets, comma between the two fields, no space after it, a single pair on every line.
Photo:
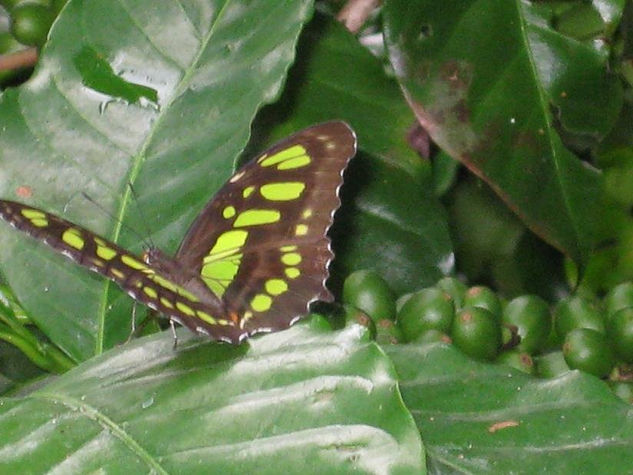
[581,23]
[619,297]
[318,323]
[367,291]
[517,359]
[400,301]
[433,336]
[576,312]
[551,365]
[484,297]
[509,337]
[425,310]
[358,317]
[8,44]
[620,331]
[30,23]
[455,288]
[530,314]
[9,4]
[476,332]
[387,332]
[588,350]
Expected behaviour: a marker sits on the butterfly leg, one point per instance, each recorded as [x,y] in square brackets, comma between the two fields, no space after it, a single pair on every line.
[133,319]
[138,329]
[133,329]
[173,332]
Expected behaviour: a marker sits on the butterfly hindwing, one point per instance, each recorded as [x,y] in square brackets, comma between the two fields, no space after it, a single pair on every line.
[261,244]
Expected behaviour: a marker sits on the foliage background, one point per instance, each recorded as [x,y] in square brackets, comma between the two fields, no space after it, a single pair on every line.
[531,97]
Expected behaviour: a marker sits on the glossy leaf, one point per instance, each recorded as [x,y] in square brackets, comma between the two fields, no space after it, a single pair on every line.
[477,417]
[483,77]
[157,95]
[290,402]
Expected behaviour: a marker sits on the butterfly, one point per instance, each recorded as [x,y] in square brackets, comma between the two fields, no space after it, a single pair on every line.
[253,260]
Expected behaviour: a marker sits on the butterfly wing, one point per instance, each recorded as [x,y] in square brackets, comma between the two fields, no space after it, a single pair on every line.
[261,244]
[142,282]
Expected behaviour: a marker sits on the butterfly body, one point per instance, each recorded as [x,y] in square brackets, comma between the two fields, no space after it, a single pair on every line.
[254,258]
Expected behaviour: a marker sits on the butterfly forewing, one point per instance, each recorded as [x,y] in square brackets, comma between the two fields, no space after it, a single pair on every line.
[140,281]
[261,244]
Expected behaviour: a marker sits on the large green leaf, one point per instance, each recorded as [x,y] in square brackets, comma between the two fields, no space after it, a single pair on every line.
[477,417]
[296,401]
[159,95]
[388,195]
[483,77]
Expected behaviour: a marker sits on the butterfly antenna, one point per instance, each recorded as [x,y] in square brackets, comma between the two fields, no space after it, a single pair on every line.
[142,215]
[112,216]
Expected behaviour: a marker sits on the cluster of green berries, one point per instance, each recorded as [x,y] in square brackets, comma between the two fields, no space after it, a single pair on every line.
[526,332]
[30,22]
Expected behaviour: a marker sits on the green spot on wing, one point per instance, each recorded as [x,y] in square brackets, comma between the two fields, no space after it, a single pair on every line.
[294,163]
[169,285]
[276,286]
[256,217]
[33,213]
[184,308]
[206,317]
[286,154]
[105,252]
[229,241]
[261,303]
[248,191]
[151,293]
[39,222]
[291,259]
[282,191]
[73,238]
[133,263]
[221,265]
[228,212]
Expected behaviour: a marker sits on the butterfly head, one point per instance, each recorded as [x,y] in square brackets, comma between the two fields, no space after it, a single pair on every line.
[161,262]
[152,256]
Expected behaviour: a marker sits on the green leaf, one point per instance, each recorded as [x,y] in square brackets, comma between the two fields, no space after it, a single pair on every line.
[288,402]
[477,417]
[212,65]
[388,193]
[482,78]
[585,96]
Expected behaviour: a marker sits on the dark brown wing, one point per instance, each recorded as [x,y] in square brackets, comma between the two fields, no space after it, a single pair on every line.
[261,244]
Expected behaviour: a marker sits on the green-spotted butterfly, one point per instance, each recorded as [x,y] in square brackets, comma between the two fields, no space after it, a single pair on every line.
[254,258]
